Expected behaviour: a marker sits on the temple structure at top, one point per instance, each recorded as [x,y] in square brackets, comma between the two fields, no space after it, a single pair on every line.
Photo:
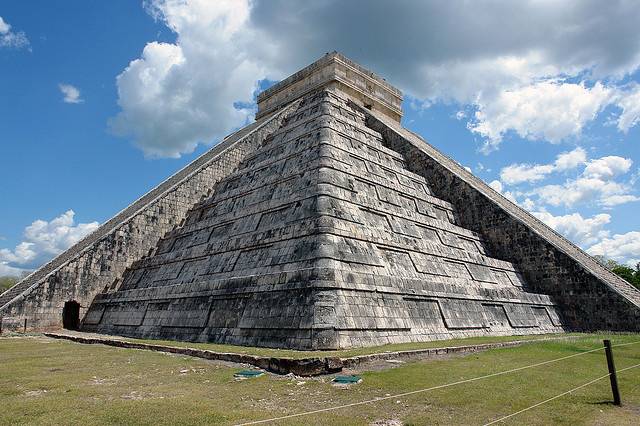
[334,71]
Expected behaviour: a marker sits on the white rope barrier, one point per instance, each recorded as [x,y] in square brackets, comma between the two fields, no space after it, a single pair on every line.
[383,398]
[557,396]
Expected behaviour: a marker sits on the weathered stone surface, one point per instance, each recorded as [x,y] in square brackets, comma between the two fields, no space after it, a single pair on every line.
[99,260]
[589,296]
[322,238]
[330,226]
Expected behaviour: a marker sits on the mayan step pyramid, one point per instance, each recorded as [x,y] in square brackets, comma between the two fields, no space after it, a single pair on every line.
[323,225]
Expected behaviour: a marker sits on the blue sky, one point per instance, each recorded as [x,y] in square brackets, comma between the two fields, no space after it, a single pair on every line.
[101,101]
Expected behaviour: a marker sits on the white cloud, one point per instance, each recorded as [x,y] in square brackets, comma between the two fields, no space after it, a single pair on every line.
[43,240]
[629,103]
[590,233]
[519,173]
[596,183]
[528,204]
[71,94]
[614,200]
[570,160]
[496,185]
[12,39]
[176,96]
[607,167]
[6,270]
[583,190]
[624,248]
[547,110]
[4,27]
[580,230]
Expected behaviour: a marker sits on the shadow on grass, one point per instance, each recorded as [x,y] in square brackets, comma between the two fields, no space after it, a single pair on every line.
[607,403]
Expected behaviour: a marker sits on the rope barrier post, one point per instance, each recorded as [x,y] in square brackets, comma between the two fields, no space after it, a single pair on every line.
[0,325]
[25,326]
[612,373]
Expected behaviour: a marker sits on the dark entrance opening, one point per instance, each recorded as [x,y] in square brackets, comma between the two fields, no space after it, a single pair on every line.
[71,315]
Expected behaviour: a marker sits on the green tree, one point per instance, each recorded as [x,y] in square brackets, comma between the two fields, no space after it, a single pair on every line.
[7,282]
[607,263]
[625,272]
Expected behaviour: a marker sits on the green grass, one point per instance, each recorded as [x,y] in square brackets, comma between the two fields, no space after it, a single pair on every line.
[286,353]
[46,381]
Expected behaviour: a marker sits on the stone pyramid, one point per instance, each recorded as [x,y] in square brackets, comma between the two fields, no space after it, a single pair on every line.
[324,225]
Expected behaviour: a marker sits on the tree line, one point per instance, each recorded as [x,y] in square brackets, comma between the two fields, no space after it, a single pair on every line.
[626,272]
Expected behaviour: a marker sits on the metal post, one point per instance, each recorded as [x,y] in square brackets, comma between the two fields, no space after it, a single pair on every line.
[25,326]
[612,373]
[0,325]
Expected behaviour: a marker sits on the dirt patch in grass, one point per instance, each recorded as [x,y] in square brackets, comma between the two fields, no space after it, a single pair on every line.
[390,422]
[34,393]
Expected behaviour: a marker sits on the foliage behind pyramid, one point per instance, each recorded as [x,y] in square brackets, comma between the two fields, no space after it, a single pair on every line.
[334,227]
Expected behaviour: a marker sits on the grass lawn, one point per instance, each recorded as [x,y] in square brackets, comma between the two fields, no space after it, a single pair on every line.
[47,381]
[286,353]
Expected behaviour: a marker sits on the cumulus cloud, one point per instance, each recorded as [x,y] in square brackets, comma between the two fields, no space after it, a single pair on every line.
[71,94]
[607,167]
[6,270]
[528,204]
[42,241]
[582,231]
[519,173]
[496,185]
[570,160]
[586,190]
[508,60]
[617,199]
[547,110]
[449,50]
[595,184]
[177,95]
[624,248]
[514,63]
[10,38]
[629,102]
[591,234]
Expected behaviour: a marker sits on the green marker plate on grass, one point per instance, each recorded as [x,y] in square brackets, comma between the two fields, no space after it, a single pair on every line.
[248,374]
[347,380]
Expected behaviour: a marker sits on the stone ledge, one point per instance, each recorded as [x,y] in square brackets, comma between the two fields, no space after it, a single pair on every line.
[312,366]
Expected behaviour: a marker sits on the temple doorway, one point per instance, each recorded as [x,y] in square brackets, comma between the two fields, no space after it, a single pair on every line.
[71,315]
